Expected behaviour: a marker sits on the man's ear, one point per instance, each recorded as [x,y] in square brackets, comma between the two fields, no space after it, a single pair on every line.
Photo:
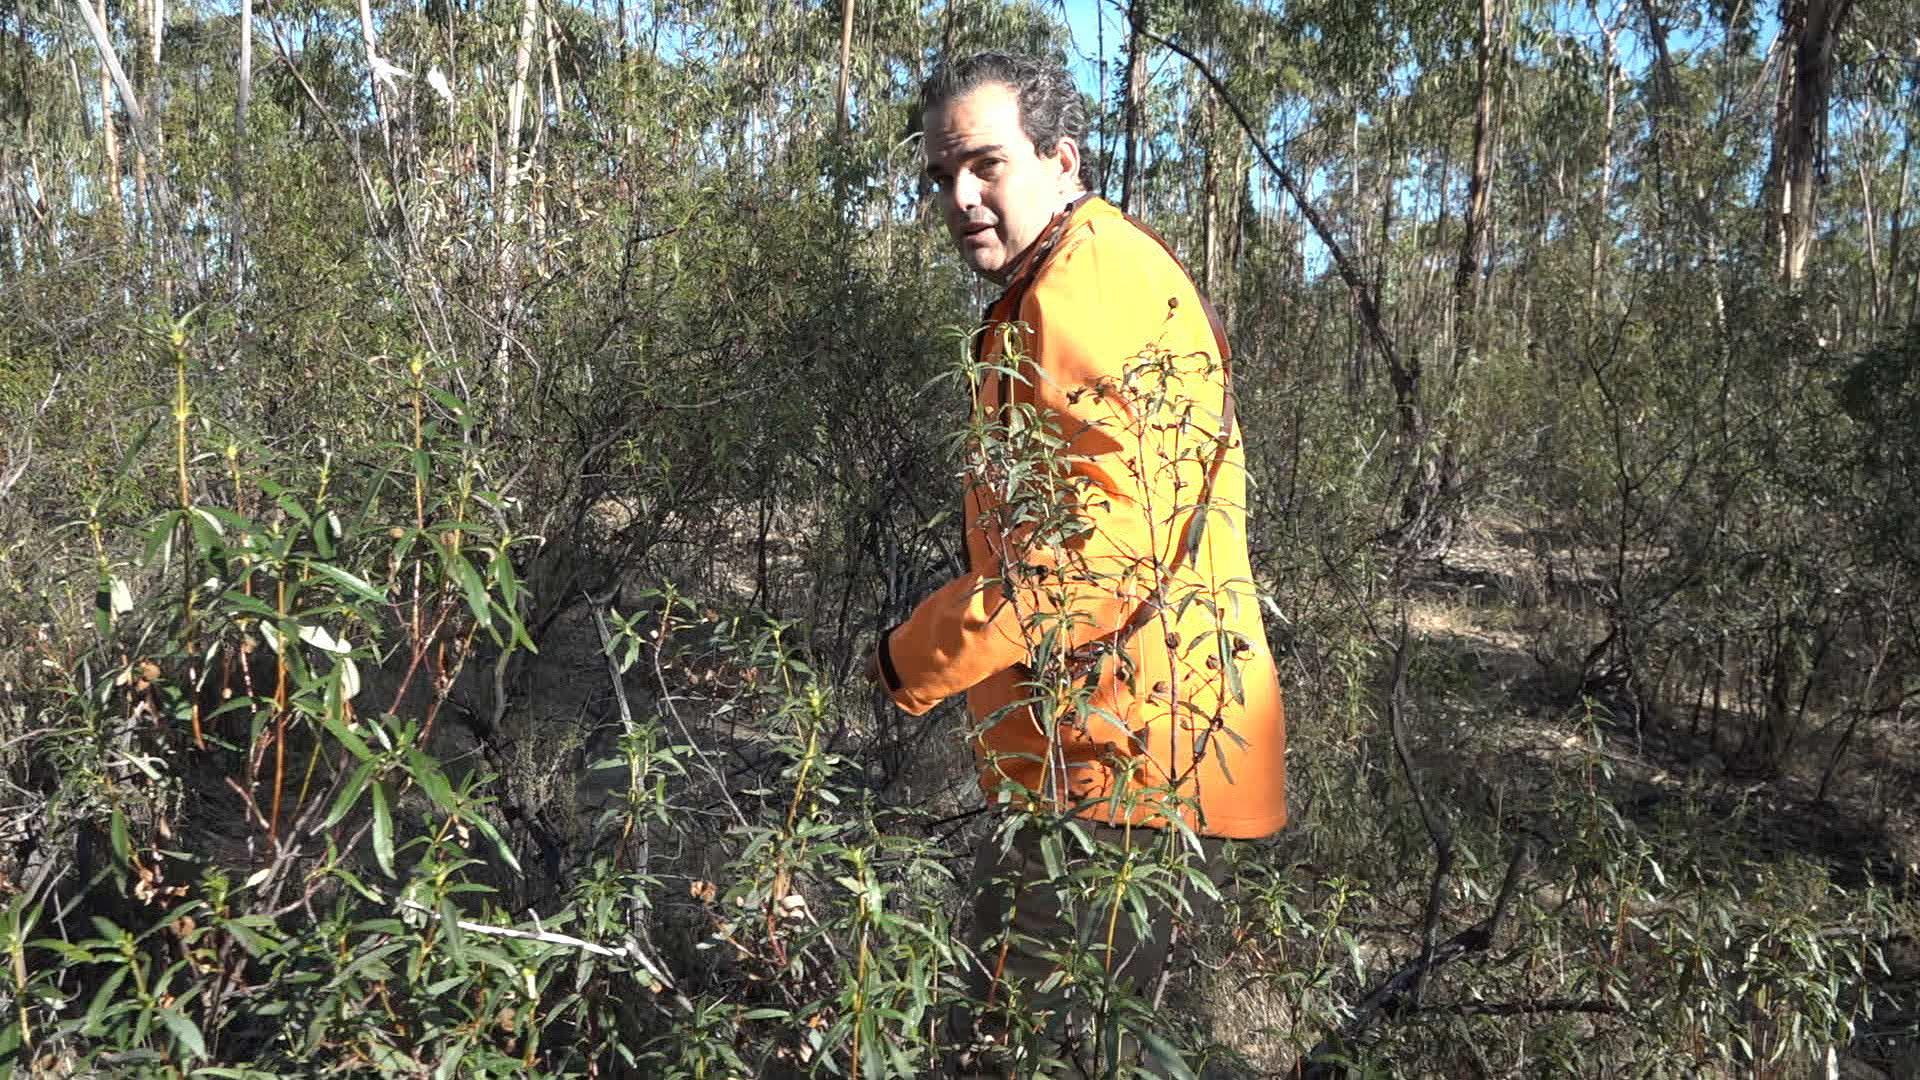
[1066,155]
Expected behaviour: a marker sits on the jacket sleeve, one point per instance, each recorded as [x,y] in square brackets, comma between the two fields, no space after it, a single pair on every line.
[1091,321]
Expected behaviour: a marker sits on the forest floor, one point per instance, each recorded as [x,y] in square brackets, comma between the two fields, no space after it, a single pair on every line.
[1493,709]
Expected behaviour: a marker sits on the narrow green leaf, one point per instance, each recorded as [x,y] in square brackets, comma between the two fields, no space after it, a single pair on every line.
[480,822]
[382,830]
[357,586]
[476,590]
[348,795]
[426,772]
[117,834]
[354,744]
[185,1032]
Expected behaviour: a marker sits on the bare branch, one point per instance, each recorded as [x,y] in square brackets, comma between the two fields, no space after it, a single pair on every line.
[1364,296]
[629,951]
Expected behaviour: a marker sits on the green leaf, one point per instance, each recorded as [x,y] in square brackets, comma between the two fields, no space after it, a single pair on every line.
[506,854]
[350,794]
[185,1032]
[502,569]
[382,830]
[286,501]
[138,444]
[98,1009]
[117,834]
[426,772]
[355,585]
[476,590]
[354,744]
[1231,668]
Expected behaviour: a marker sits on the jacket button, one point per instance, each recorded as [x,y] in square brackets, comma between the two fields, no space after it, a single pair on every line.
[1173,302]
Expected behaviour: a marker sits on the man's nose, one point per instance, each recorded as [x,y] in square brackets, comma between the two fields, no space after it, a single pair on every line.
[966,192]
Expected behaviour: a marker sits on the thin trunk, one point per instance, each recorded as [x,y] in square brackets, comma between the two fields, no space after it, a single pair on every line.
[626,73]
[376,75]
[142,212]
[1871,228]
[1135,105]
[1668,146]
[1800,144]
[242,98]
[1477,219]
[109,135]
[157,33]
[1897,234]
[508,209]
[1602,234]
[846,61]
[1100,114]
[1209,194]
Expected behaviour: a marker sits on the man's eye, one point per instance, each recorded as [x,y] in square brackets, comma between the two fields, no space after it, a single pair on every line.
[989,167]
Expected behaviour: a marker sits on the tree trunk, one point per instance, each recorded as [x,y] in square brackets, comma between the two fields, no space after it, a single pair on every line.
[242,98]
[1813,29]
[1602,234]
[507,211]
[1136,91]
[846,59]
[109,136]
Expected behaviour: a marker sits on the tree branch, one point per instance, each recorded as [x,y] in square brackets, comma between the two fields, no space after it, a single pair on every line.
[1399,992]
[1364,298]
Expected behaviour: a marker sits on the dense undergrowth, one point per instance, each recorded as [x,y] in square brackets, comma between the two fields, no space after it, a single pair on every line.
[295,791]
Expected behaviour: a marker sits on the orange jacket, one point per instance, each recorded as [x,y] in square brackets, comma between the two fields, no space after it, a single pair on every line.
[1120,360]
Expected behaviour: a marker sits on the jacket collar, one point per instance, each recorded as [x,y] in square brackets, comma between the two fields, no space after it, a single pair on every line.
[1035,257]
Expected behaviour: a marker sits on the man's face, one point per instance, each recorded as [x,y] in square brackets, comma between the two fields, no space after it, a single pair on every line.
[996,190]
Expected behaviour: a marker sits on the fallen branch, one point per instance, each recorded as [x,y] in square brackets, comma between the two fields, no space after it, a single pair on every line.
[629,951]
[1399,992]
[1390,996]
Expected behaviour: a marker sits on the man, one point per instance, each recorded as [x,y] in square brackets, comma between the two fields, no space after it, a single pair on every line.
[1115,666]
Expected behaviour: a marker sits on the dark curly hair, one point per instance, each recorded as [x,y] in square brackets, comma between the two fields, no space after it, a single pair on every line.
[1051,107]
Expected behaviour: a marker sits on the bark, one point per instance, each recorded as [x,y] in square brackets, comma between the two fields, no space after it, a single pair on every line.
[242,98]
[846,59]
[1136,92]
[1813,29]
[510,168]
[109,136]
[1603,199]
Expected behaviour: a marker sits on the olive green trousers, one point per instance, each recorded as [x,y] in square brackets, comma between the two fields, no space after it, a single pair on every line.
[1054,948]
